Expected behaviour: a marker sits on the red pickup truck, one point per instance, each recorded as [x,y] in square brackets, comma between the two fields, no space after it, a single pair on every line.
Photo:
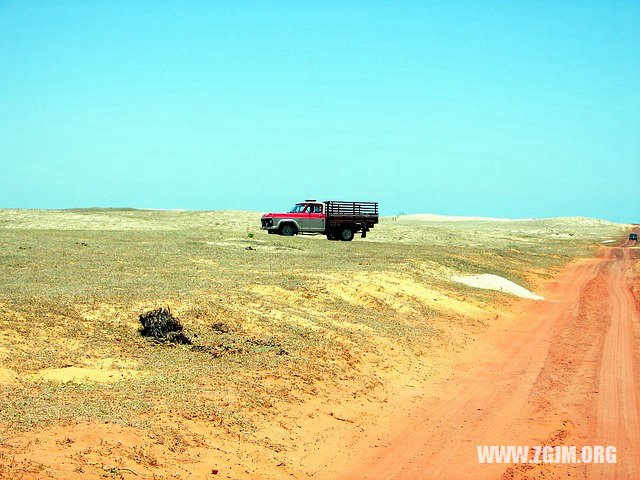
[336,220]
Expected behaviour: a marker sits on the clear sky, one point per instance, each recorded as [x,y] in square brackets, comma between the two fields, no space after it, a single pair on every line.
[514,108]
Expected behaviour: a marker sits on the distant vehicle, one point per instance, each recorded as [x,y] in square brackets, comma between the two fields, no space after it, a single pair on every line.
[336,220]
[633,236]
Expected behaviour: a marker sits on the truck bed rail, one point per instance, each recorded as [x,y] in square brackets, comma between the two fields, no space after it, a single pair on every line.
[351,209]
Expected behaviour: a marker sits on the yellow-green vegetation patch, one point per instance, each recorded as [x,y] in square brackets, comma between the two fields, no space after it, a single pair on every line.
[271,319]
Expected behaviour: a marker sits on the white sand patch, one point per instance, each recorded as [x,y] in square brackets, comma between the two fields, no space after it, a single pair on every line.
[162,209]
[608,241]
[450,218]
[494,282]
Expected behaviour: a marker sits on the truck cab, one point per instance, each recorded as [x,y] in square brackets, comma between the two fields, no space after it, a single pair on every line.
[307,216]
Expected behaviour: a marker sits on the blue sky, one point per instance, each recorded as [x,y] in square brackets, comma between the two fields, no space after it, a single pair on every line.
[512,109]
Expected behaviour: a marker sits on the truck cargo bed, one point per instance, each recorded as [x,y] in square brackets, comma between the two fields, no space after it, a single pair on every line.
[352,212]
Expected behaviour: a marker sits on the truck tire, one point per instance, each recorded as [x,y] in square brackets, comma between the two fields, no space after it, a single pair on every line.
[287,230]
[346,234]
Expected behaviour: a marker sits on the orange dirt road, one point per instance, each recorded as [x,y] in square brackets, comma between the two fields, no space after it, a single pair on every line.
[566,371]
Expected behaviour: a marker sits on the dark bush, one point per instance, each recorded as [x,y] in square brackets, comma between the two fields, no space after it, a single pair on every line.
[220,327]
[160,325]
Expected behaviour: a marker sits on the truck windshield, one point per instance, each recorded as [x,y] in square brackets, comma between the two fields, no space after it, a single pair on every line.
[297,209]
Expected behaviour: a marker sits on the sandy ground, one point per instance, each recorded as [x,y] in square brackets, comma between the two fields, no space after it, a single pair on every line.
[566,373]
[392,370]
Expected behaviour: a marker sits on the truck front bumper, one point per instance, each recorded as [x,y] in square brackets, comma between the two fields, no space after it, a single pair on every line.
[267,224]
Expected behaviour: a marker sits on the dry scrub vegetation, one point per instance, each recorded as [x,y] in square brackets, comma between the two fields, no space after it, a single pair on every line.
[284,330]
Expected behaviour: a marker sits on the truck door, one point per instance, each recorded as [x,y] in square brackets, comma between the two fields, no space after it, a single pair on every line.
[316,217]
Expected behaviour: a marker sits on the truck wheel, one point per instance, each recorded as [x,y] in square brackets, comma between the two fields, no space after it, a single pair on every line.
[287,231]
[346,234]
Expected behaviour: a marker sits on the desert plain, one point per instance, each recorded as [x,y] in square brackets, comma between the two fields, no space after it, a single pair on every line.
[315,359]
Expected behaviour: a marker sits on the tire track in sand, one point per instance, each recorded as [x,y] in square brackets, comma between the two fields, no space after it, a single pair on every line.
[566,374]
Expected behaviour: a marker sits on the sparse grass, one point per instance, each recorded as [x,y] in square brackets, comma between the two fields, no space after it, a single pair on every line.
[73,283]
